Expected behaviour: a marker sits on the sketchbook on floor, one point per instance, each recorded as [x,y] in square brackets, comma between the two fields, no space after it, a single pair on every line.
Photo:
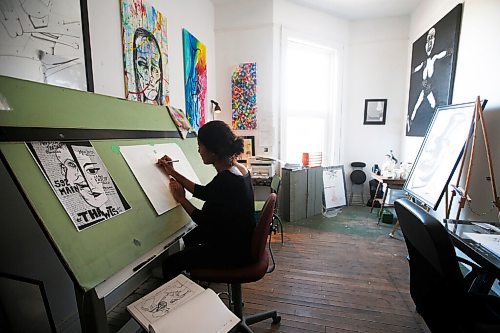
[180,305]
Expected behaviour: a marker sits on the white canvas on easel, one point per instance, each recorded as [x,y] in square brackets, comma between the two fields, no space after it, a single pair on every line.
[154,181]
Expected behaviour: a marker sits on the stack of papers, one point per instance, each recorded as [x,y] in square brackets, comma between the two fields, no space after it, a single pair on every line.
[489,241]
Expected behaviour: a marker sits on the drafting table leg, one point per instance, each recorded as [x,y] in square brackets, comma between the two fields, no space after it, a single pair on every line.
[381,211]
[92,311]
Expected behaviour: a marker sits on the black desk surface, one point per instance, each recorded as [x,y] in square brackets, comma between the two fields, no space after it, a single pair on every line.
[481,255]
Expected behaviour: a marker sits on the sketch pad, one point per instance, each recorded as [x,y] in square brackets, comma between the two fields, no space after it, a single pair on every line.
[180,305]
[154,181]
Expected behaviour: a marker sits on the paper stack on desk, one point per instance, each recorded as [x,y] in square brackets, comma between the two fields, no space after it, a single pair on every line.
[489,241]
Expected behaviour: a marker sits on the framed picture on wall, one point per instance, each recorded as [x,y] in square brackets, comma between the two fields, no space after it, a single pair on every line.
[432,72]
[248,148]
[47,42]
[375,110]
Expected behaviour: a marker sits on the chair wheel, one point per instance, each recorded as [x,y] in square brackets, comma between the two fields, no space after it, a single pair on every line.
[277,320]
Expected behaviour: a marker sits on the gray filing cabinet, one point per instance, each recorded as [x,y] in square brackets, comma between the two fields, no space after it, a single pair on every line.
[314,191]
[301,193]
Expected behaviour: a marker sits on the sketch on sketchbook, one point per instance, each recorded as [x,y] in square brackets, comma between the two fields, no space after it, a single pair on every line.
[170,308]
[166,299]
[80,181]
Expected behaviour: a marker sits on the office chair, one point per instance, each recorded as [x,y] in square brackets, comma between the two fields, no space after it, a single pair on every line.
[439,290]
[249,273]
[275,186]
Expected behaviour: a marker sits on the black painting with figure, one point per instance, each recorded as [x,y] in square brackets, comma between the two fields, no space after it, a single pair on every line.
[433,62]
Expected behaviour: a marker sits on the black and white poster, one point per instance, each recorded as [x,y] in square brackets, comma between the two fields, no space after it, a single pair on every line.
[80,181]
[433,62]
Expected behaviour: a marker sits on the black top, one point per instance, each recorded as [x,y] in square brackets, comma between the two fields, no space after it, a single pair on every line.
[228,211]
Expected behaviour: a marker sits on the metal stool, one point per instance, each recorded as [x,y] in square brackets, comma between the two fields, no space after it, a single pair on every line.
[358,178]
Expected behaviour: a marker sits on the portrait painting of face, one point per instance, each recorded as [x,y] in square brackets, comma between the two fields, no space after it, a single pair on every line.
[147,67]
[145,55]
[80,181]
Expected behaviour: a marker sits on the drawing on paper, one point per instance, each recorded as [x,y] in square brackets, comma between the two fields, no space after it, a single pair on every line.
[80,181]
[145,53]
[165,300]
[195,79]
[43,41]
[334,194]
[440,153]
[142,160]
[244,96]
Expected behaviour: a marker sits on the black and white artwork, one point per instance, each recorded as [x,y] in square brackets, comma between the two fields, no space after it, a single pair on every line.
[440,153]
[334,188]
[80,181]
[375,111]
[433,62]
[44,41]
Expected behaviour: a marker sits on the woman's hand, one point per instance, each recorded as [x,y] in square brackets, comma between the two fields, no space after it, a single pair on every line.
[177,190]
[166,163]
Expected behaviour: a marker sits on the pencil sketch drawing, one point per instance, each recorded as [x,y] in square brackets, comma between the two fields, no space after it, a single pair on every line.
[42,40]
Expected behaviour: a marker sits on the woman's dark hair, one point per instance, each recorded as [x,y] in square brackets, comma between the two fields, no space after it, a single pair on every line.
[218,138]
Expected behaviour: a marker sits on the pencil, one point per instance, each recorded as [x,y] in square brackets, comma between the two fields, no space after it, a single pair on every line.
[172,161]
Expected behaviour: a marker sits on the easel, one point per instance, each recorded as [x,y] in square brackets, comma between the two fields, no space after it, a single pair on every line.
[471,142]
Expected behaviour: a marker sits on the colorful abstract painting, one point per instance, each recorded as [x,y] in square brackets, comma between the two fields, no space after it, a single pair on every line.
[195,79]
[144,32]
[244,100]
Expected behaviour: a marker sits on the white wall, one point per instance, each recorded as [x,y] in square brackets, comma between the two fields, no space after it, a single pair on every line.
[477,73]
[197,16]
[244,33]
[376,69]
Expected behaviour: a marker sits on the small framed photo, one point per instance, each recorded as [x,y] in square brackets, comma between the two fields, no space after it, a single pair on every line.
[375,110]
[248,148]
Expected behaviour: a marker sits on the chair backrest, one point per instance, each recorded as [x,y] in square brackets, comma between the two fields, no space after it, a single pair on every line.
[275,184]
[436,282]
[263,228]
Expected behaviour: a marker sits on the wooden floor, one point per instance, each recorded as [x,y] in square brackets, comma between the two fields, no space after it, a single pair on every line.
[350,277]
[332,282]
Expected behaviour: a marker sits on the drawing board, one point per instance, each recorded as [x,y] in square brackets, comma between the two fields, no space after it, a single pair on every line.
[95,254]
[440,153]
[154,181]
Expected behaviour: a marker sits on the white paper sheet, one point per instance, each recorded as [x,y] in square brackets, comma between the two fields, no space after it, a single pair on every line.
[154,182]
[489,241]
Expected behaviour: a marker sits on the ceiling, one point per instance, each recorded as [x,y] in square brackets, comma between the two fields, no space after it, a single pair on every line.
[362,9]
[356,9]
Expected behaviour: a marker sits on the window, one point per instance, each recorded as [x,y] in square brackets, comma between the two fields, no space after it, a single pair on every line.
[309,85]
